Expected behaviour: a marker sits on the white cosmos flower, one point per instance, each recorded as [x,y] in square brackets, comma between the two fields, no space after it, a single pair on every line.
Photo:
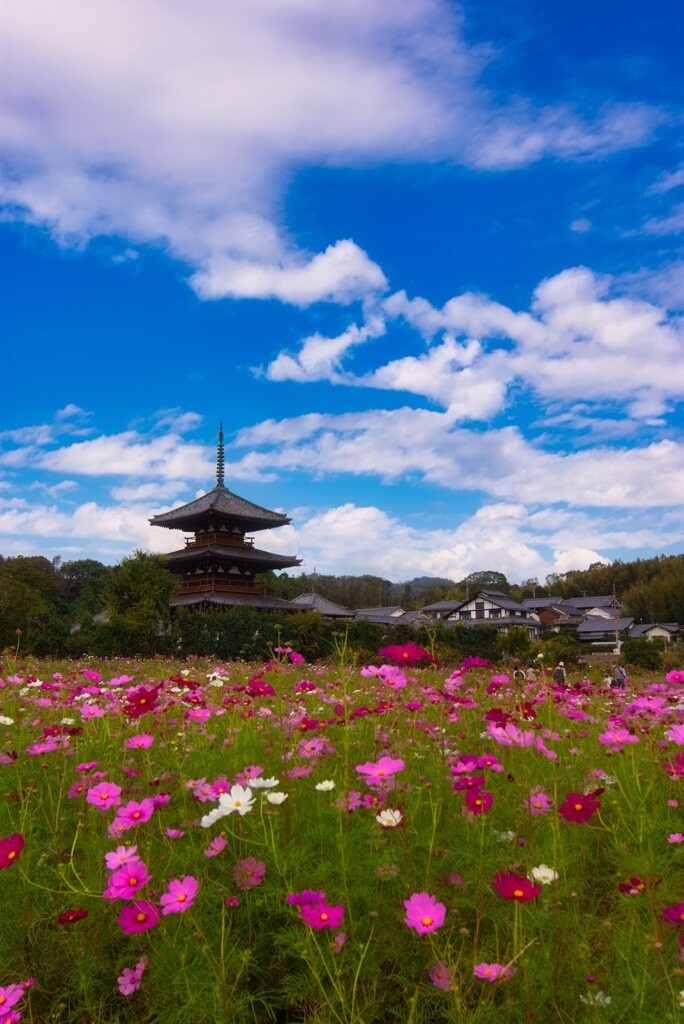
[325,786]
[389,818]
[596,999]
[544,874]
[239,799]
[212,816]
[264,783]
[276,798]
[6,721]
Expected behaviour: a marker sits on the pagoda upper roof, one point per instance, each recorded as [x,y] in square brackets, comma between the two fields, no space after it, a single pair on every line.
[247,555]
[220,503]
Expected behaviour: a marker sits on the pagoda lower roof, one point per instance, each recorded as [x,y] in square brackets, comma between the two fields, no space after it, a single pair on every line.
[234,555]
[233,600]
[220,504]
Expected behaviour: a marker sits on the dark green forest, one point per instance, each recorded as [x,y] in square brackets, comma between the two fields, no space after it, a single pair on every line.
[84,606]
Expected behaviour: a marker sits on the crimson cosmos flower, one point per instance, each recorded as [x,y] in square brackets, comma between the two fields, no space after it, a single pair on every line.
[10,849]
[478,801]
[141,700]
[69,916]
[579,808]
[514,887]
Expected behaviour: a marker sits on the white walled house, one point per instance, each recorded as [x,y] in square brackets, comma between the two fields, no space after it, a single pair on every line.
[492,608]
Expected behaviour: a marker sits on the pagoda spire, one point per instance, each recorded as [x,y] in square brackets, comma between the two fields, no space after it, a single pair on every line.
[219,458]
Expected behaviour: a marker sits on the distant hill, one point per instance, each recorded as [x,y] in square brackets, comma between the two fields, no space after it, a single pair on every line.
[419,585]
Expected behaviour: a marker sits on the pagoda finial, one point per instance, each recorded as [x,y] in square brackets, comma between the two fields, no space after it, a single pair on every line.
[219,457]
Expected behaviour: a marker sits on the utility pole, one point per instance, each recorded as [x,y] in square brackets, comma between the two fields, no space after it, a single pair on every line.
[615,606]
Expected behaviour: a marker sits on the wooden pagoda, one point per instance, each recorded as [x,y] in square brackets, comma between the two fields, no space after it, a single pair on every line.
[218,565]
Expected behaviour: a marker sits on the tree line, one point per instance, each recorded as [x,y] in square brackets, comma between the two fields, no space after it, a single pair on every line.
[83,606]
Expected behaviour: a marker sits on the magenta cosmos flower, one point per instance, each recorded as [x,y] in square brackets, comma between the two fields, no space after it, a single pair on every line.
[312,896]
[180,895]
[122,855]
[10,849]
[135,813]
[105,794]
[405,654]
[141,742]
[514,887]
[674,915]
[380,771]
[248,873]
[322,915]
[125,882]
[424,913]
[441,976]
[478,801]
[139,916]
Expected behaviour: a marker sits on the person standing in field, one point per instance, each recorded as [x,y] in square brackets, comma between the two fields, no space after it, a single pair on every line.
[560,676]
[619,677]
[531,675]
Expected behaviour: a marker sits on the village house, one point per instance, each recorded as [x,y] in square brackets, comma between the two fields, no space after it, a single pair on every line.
[493,608]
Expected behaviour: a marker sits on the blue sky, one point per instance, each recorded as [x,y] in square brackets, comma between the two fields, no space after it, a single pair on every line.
[423,259]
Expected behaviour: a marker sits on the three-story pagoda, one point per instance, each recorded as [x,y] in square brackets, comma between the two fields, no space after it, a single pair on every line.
[219,564]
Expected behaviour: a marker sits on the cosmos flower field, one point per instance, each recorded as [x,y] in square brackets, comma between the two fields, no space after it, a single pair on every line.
[403,841]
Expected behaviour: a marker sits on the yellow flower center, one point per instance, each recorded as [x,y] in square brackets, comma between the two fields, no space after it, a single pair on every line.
[517,892]
[133,881]
[141,917]
[380,771]
[182,898]
[426,921]
[324,917]
[237,803]
[136,814]
[578,807]
[11,855]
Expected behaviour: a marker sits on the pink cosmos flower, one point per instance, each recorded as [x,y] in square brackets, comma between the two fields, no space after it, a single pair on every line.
[376,773]
[180,895]
[676,734]
[424,913]
[675,678]
[538,802]
[141,742]
[215,847]
[322,915]
[174,833]
[675,838]
[106,794]
[139,916]
[493,972]
[248,873]
[126,881]
[10,996]
[392,677]
[232,901]
[122,855]
[129,980]
[134,813]
[441,976]
[338,942]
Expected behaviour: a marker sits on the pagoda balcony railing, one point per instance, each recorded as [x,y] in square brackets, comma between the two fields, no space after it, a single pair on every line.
[224,540]
[204,586]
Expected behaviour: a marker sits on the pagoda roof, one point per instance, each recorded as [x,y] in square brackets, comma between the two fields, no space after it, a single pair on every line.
[223,504]
[314,602]
[247,555]
[231,600]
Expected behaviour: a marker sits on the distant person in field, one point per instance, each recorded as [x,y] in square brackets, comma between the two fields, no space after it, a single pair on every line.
[607,679]
[531,674]
[619,677]
[560,676]
[518,675]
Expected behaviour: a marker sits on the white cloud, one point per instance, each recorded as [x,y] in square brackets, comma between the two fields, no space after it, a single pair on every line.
[667,181]
[403,443]
[581,225]
[509,537]
[181,126]
[167,457]
[673,224]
